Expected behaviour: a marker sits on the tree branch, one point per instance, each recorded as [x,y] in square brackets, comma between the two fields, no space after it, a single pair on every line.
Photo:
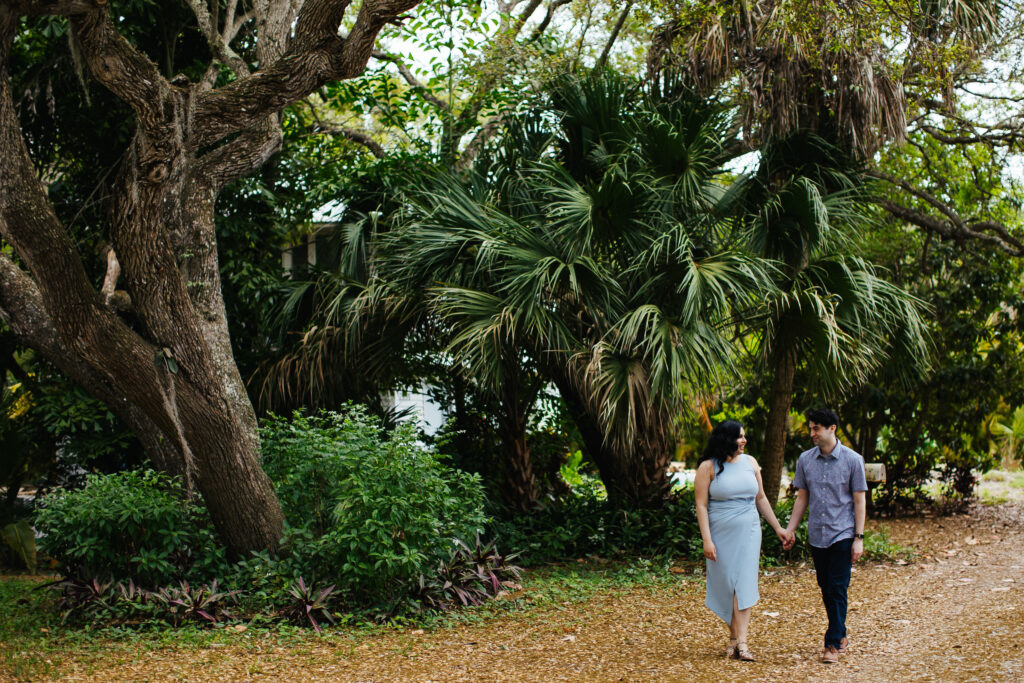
[524,16]
[64,8]
[1002,240]
[553,6]
[410,78]
[615,34]
[476,145]
[316,56]
[942,207]
[230,27]
[1007,138]
[220,44]
[241,156]
[22,309]
[467,118]
[357,136]
[317,24]
[122,69]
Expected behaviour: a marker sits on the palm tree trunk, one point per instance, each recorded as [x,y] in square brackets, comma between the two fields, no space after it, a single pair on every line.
[637,478]
[653,454]
[520,491]
[780,399]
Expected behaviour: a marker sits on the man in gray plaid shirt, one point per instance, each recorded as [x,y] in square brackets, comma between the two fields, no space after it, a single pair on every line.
[831,486]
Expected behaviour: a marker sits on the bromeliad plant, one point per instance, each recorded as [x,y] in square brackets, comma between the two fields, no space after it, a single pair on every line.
[187,603]
[309,603]
[469,577]
[81,599]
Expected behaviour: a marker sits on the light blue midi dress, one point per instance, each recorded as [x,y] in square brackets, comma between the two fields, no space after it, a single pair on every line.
[736,533]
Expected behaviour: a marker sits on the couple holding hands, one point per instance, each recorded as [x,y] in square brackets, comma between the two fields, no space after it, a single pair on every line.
[729,493]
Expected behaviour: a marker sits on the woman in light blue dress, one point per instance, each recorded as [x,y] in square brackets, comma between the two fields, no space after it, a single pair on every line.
[729,494]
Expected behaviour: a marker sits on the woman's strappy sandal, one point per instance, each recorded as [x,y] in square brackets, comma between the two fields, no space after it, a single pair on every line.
[730,651]
[743,653]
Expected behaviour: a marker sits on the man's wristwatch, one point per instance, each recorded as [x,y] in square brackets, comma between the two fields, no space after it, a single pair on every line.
[860,536]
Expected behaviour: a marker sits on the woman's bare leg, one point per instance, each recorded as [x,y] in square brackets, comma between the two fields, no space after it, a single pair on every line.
[740,621]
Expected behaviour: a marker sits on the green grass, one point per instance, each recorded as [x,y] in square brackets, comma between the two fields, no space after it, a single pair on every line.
[1001,486]
[879,546]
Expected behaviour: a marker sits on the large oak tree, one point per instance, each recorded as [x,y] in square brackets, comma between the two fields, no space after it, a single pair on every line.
[166,367]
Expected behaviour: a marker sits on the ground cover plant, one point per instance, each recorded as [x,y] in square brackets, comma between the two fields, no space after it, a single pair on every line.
[32,634]
[378,526]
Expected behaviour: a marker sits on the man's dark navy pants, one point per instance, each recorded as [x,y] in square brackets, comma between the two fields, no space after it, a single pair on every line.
[833,565]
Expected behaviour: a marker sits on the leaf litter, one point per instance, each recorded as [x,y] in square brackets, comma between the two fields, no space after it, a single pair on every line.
[932,619]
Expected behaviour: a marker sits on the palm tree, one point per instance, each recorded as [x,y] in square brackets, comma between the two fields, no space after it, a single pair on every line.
[838,69]
[360,326]
[600,251]
[831,312]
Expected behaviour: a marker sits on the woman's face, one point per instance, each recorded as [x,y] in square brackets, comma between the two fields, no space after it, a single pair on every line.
[741,443]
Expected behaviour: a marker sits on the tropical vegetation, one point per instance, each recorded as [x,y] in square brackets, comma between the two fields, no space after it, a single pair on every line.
[585,231]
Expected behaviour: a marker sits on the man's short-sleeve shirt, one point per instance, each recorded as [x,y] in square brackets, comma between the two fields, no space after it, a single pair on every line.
[830,481]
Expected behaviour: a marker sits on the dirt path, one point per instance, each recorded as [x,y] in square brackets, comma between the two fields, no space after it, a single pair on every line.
[953,615]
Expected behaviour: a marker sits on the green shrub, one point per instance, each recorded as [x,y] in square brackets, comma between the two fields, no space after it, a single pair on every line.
[585,524]
[140,525]
[369,511]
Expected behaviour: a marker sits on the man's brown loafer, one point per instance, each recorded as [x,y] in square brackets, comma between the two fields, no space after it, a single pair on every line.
[843,645]
[830,655]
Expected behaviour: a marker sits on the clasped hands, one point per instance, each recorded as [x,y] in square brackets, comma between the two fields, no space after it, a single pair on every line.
[787,537]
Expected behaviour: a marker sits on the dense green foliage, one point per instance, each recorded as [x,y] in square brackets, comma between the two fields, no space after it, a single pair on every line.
[378,522]
[137,524]
[585,524]
[369,511]
[592,275]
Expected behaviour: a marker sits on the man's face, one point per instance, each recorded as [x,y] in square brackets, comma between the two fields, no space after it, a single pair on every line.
[822,435]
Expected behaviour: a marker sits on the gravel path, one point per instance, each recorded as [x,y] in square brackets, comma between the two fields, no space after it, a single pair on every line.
[952,615]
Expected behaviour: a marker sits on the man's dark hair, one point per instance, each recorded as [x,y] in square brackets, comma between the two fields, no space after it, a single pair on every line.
[824,417]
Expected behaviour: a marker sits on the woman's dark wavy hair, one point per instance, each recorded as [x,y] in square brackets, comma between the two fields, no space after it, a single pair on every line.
[722,443]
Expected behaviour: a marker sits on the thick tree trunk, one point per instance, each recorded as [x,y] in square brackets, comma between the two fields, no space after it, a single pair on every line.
[171,376]
[637,477]
[520,490]
[780,399]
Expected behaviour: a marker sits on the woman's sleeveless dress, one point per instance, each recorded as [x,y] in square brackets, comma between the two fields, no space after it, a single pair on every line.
[736,533]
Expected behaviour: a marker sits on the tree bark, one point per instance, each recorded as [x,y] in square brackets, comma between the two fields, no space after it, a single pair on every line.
[635,477]
[21,308]
[171,376]
[780,399]
[520,491]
